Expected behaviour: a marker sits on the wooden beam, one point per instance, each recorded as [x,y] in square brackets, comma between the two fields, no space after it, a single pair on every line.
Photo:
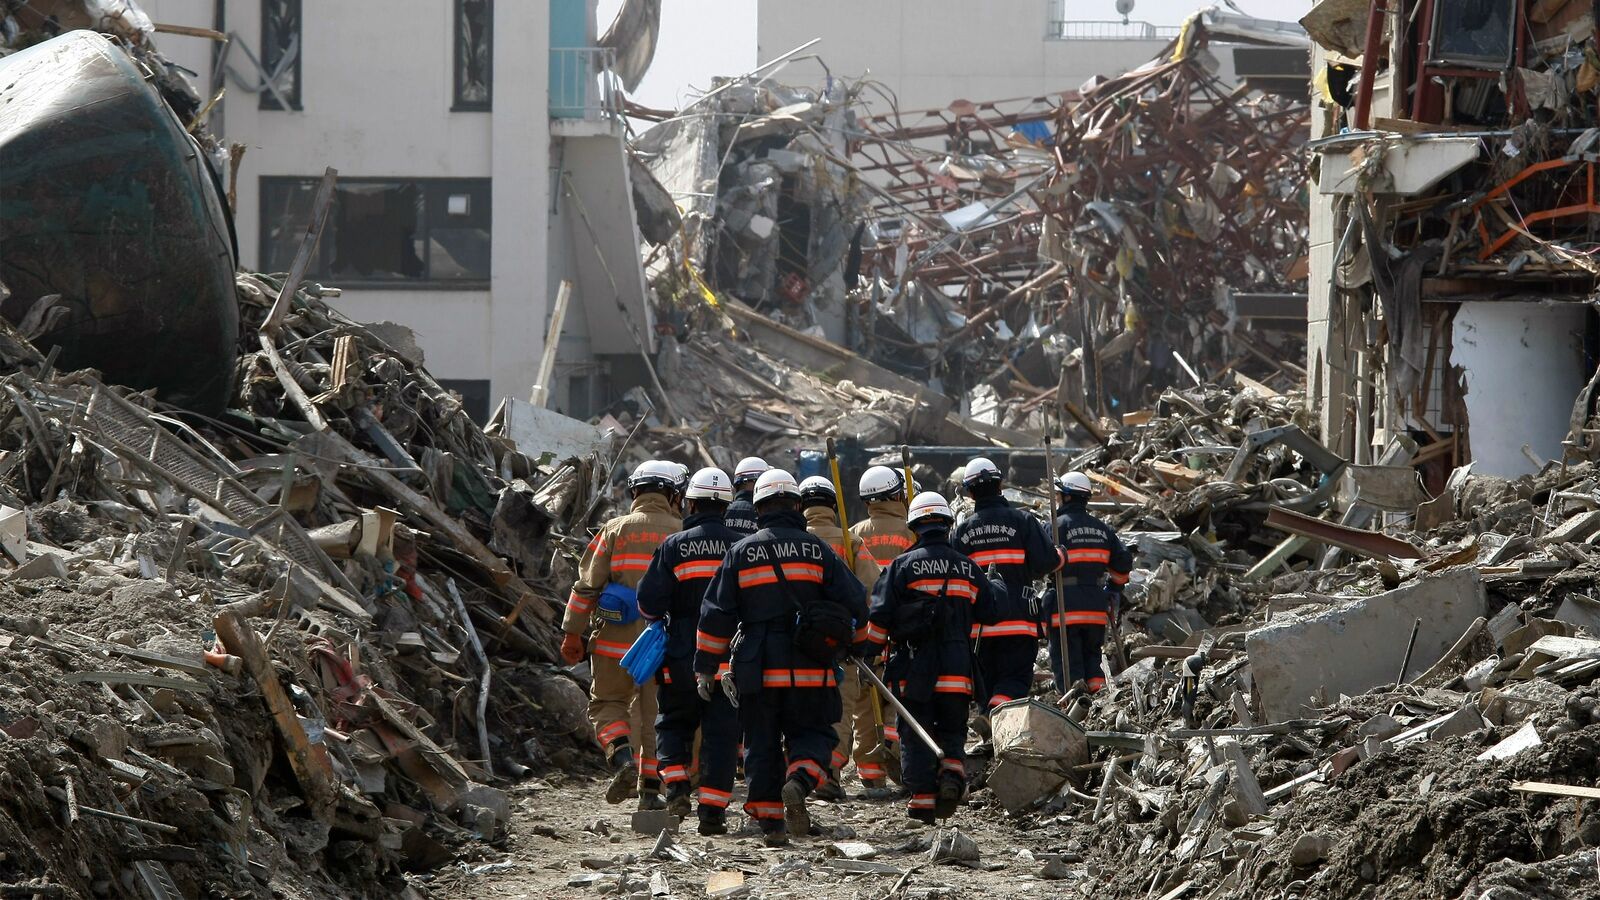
[310,768]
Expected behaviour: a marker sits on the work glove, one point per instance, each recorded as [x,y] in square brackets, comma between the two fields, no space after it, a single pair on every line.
[703,684]
[572,649]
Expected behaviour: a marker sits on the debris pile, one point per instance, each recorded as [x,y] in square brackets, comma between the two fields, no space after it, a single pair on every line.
[1320,705]
[266,651]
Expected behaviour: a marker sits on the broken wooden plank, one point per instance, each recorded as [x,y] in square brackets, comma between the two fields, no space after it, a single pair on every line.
[1117,489]
[1371,544]
[312,770]
[1246,789]
[1558,790]
[194,666]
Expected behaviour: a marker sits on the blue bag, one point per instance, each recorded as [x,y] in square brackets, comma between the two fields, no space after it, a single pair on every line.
[619,605]
[643,659]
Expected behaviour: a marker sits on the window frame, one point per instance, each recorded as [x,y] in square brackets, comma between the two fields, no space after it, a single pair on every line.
[264,236]
[266,100]
[457,60]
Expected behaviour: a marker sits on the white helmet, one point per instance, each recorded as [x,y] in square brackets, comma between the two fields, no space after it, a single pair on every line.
[749,469]
[927,506]
[775,483]
[683,476]
[1074,483]
[710,484]
[654,474]
[980,470]
[819,489]
[881,483]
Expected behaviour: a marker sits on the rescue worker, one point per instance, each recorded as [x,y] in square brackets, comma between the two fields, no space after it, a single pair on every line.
[884,532]
[1097,567]
[741,515]
[797,610]
[857,727]
[672,589]
[924,607]
[1016,544]
[612,566]
[885,535]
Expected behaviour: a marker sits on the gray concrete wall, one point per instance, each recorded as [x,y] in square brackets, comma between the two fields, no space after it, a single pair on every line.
[1360,645]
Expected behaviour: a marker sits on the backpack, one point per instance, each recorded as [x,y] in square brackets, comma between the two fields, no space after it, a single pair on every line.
[916,622]
[824,629]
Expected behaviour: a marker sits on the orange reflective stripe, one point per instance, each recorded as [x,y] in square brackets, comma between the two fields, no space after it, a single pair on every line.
[998,699]
[615,731]
[803,572]
[921,801]
[579,604]
[1011,628]
[1101,556]
[596,544]
[1000,557]
[806,765]
[891,733]
[763,810]
[714,797]
[875,634]
[953,684]
[758,575]
[671,774]
[700,568]
[612,649]
[976,632]
[870,770]
[860,635]
[710,643]
[630,562]
[1118,577]
[1081,617]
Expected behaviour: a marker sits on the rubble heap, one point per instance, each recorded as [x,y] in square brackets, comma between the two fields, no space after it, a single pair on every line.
[259,653]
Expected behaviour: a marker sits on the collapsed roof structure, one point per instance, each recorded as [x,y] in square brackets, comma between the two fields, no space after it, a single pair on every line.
[1134,228]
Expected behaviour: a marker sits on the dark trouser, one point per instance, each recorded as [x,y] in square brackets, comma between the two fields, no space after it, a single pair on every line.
[682,713]
[945,717]
[1084,644]
[793,722]
[1006,664]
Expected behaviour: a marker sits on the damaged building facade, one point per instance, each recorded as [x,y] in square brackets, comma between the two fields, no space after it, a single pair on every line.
[1452,221]
[472,183]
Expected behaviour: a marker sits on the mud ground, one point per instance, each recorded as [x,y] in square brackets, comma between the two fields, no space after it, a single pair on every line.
[562,828]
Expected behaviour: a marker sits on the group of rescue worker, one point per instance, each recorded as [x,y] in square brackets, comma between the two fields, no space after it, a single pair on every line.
[772,610]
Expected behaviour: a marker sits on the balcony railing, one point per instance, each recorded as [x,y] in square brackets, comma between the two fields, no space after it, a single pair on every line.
[583,84]
[1078,30]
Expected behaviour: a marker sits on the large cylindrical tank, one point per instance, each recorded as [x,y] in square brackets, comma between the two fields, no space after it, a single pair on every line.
[109,211]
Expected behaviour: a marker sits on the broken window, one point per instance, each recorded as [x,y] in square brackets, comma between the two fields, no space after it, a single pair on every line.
[280,53]
[1475,33]
[383,231]
[474,396]
[474,58]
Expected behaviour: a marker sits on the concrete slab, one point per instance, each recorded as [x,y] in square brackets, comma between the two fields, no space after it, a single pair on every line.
[1359,645]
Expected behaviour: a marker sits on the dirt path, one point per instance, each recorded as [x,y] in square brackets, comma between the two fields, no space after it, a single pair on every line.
[562,832]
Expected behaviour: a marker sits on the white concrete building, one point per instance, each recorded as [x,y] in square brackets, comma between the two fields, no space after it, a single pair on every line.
[481,162]
[930,52]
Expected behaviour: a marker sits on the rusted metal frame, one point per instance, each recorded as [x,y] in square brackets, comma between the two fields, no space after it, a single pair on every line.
[1371,544]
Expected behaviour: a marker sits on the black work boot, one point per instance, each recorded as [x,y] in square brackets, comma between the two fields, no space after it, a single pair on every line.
[713,820]
[625,775]
[774,837]
[650,794]
[831,790]
[795,816]
[921,816]
[679,798]
[951,790]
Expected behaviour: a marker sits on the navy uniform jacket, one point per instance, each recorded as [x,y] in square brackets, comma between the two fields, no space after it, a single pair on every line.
[1095,557]
[1012,540]
[758,590]
[942,664]
[675,584]
[741,515]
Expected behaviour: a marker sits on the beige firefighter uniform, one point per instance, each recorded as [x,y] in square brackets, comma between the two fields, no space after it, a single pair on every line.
[858,727]
[623,714]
